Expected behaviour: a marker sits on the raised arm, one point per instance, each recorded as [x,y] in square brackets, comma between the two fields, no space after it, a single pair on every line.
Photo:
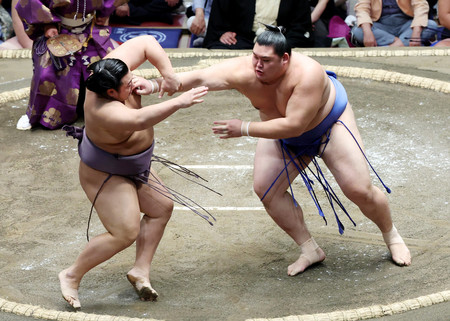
[138,50]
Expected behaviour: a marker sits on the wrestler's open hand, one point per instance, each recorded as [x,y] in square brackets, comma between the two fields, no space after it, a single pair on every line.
[228,128]
[192,96]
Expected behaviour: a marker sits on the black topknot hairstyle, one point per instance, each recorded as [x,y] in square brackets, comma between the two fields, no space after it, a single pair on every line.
[106,74]
[274,37]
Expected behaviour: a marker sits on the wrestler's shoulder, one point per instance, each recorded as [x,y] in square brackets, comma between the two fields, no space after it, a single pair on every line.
[306,67]
[304,60]
[235,69]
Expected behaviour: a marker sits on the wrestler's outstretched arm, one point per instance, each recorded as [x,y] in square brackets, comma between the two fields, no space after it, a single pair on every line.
[225,75]
[138,50]
[116,117]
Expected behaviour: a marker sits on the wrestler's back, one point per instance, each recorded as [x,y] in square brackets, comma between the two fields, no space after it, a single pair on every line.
[109,138]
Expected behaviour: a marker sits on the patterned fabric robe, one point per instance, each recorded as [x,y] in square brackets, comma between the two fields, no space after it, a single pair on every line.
[54,93]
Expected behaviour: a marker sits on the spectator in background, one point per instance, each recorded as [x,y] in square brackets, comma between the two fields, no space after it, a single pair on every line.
[6,25]
[432,12]
[198,22]
[341,8]
[234,24]
[322,12]
[444,20]
[57,83]
[21,39]
[393,23]
[136,12]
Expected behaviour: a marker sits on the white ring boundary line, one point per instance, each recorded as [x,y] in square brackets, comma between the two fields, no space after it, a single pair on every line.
[369,312]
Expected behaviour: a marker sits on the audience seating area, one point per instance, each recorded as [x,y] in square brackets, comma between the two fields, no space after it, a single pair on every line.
[174,35]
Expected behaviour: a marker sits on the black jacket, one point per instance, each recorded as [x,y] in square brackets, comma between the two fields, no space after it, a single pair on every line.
[238,16]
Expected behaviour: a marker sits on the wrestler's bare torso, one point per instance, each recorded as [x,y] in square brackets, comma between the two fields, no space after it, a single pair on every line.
[109,124]
[299,92]
[292,89]
[104,131]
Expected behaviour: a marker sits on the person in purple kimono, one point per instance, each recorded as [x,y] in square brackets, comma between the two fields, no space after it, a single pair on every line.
[57,83]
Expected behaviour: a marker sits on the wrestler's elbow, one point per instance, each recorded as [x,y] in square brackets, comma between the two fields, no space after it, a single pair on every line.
[293,129]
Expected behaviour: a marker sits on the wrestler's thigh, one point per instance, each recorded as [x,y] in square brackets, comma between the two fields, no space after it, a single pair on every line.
[268,164]
[343,156]
[152,202]
[117,202]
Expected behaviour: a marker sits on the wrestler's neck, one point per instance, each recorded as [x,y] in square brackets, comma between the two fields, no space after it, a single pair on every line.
[109,99]
[276,79]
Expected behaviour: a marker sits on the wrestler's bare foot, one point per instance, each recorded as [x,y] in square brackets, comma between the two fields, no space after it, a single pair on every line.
[399,251]
[311,254]
[69,289]
[400,254]
[143,287]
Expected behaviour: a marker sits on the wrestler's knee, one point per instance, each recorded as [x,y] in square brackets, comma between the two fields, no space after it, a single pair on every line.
[162,210]
[127,237]
[260,189]
[266,195]
[128,233]
[168,210]
[359,193]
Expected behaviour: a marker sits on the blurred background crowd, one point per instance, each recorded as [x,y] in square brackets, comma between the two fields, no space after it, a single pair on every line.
[233,24]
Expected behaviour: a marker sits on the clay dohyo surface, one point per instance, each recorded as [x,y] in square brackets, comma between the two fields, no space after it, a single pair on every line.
[235,269]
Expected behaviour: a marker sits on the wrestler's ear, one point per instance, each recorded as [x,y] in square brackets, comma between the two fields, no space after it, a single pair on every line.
[285,58]
[112,93]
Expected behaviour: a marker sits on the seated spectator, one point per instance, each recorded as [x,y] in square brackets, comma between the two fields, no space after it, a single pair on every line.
[392,23]
[444,20]
[136,12]
[432,12]
[6,25]
[198,22]
[321,14]
[234,24]
[21,39]
[341,8]
[351,7]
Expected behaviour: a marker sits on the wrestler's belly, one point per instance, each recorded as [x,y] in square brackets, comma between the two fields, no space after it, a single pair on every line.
[136,143]
[326,106]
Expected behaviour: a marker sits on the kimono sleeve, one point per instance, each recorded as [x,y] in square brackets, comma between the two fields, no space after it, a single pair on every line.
[35,14]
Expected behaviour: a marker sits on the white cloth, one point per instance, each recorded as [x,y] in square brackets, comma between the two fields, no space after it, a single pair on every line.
[266,12]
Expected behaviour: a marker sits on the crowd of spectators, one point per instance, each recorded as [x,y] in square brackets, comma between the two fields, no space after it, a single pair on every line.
[234,24]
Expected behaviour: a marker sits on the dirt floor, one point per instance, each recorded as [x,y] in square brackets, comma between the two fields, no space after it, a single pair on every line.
[236,269]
